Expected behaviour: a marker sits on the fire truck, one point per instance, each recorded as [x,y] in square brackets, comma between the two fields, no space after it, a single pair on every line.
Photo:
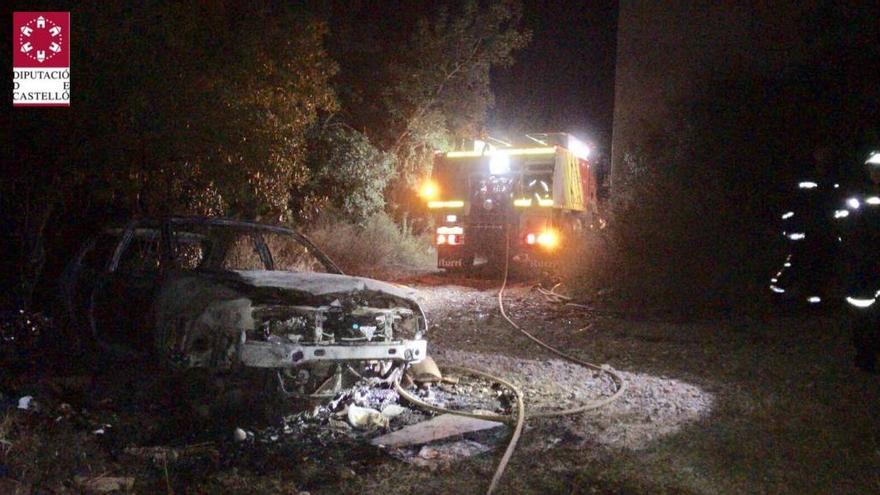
[524,199]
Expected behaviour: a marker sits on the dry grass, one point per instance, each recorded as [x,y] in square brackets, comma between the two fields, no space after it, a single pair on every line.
[377,248]
[7,431]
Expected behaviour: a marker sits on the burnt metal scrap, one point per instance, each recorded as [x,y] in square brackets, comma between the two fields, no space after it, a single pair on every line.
[222,294]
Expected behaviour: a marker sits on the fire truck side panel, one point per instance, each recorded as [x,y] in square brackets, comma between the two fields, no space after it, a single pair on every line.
[568,192]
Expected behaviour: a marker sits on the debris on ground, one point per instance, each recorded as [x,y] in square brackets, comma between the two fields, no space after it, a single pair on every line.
[441,455]
[425,372]
[103,429]
[162,455]
[25,402]
[392,411]
[239,435]
[104,484]
[364,418]
[443,426]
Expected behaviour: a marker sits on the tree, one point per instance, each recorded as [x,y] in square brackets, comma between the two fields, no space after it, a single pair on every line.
[425,84]
[223,132]
[345,173]
[442,74]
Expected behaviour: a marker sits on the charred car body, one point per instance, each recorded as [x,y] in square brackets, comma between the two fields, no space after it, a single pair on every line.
[223,294]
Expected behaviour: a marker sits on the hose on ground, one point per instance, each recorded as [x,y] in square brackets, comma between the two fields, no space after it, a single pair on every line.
[517,423]
[521,416]
[615,376]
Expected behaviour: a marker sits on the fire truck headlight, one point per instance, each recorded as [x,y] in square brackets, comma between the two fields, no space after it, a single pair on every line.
[429,190]
[499,164]
[548,239]
[578,148]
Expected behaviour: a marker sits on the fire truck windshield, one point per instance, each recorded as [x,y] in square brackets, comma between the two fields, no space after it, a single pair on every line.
[538,186]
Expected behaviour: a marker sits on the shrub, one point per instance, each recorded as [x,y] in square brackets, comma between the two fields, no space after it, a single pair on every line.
[376,247]
[687,228]
[345,172]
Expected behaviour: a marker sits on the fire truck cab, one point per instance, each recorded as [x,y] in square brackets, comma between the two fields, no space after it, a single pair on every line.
[534,194]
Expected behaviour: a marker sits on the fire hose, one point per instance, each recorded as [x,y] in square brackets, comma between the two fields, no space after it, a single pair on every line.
[521,415]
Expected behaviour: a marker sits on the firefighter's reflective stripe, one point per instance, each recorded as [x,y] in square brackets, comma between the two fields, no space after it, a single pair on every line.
[805,224]
[856,202]
[861,249]
[861,302]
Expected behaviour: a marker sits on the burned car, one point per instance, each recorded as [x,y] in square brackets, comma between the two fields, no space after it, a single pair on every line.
[223,294]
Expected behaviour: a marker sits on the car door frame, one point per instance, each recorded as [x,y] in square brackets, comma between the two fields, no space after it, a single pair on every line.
[112,273]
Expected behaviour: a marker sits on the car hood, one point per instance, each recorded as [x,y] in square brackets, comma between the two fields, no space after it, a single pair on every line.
[322,284]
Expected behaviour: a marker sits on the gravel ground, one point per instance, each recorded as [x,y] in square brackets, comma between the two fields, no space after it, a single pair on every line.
[651,407]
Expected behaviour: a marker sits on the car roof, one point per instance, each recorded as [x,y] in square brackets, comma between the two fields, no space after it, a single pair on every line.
[145,227]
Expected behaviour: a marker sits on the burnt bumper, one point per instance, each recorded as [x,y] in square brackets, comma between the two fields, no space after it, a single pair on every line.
[260,354]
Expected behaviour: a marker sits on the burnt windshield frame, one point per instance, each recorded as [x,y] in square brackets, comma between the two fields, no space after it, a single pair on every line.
[261,228]
[128,233]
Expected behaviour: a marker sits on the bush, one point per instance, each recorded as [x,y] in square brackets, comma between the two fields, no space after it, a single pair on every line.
[376,248]
[687,227]
[345,172]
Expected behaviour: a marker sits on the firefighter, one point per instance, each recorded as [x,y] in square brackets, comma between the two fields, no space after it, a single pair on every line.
[858,220]
[805,273]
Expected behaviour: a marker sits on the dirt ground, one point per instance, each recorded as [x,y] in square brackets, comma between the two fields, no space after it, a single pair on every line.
[735,405]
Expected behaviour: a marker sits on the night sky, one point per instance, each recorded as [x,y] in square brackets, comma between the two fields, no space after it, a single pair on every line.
[564,80]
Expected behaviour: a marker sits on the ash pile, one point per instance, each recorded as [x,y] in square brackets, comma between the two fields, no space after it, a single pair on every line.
[371,414]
